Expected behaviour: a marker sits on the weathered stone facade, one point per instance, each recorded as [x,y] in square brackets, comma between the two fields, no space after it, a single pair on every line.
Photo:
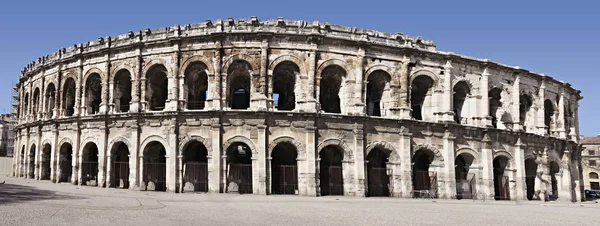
[590,162]
[365,113]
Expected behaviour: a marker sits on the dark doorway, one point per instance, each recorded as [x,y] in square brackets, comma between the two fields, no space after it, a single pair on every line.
[32,151]
[66,163]
[120,166]
[424,181]
[89,165]
[157,87]
[284,83]
[45,170]
[239,173]
[155,167]
[331,173]
[377,85]
[238,78]
[501,182]
[495,103]
[530,173]
[93,93]
[284,169]
[421,89]
[68,98]
[195,167]
[122,91]
[554,169]
[377,176]
[466,181]
[196,85]
[329,89]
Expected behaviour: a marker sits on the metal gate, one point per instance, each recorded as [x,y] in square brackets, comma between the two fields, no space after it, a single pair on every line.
[333,183]
[66,171]
[155,172]
[378,182]
[502,188]
[241,175]
[120,178]
[466,188]
[284,179]
[196,173]
[45,170]
[89,171]
[425,184]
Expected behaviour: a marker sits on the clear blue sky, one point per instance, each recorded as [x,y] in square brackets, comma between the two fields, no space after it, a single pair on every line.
[558,38]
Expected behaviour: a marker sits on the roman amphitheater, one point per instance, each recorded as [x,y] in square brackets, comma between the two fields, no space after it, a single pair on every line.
[295,107]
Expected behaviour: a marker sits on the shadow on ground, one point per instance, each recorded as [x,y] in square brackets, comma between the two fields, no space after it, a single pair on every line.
[12,193]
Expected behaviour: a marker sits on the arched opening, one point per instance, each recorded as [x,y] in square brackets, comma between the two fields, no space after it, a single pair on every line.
[330,88]
[89,165]
[66,163]
[284,169]
[68,98]
[50,99]
[157,87]
[530,173]
[45,170]
[554,169]
[459,101]
[495,96]
[32,153]
[420,97]
[195,167]
[377,173]
[424,180]
[238,77]
[525,104]
[122,91]
[284,85]
[501,182]
[93,93]
[120,166]
[549,116]
[155,167]
[36,102]
[378,92]
[593,176]
[331,171]
[22,162]
[239,172]
[26,106]
[568,117]
[466,181]
[196,85]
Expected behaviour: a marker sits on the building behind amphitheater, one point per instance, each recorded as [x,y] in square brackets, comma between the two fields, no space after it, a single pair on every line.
[295,107]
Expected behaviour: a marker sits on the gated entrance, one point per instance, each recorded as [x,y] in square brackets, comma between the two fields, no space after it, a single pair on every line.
[195,168]
[284,170]
[120,166]
[501,185]
[155,167]
[239,172]
[331,174]
[66,163]
[89,165]
[530,171]
[378,178]
[32,150]
[424,181]
[465,181]
[45,173]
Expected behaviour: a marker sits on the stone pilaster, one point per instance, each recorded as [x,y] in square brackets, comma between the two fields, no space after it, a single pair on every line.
[136,84]
[357,98]
[520,178]
[359,161]
[171,158]
[258,100]
[487,158]
[135,166]
[541,125]
[449,169]
[564,192]
[312,91]
[173,83]
[447,115]
[515,108]
[404,109]
[311,162]
[214,160]
[561,125]
[260,182]
[486,119]
[406,185]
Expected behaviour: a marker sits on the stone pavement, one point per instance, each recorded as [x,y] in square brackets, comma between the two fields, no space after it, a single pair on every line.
[29,202]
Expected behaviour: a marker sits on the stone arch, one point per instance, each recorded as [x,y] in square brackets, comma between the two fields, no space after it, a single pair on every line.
[115,141]
[33,141]
[339,143]
[123,66]
[243,57]
[241,139]
[502,152]
[91,71]
[65,141]
[67,75]
[287,139]
[193,59]
[184,143]
[466,81]
[469,151]
[284,58]
[156,61]
[438,158]
[393,157]
[46,141]
[378,67]
[152,138]
[336,62]
[424,72]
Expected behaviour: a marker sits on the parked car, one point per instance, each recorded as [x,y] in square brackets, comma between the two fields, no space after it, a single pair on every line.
[591,194]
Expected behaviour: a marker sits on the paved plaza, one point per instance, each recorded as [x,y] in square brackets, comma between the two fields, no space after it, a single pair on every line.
[30,202]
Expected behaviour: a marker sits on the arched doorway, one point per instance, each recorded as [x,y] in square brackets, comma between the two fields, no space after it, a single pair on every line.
[155,167]
[530,172]
[239,172]
[554,169]
[466,181]
[284,85]
[195,167]
[331,171]
[89,165]
[196,85]
[157,87]
[31,171]
[501,181]
[377,173]
[378,92]
[284,169]
[424,180]
[66,163]
[330,87]
[239,84]
[93,94]
[120,166]
[122,91]
[22,165]
[46,153]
